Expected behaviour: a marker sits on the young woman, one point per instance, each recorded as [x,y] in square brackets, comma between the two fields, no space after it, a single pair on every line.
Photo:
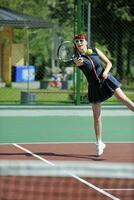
[101,83]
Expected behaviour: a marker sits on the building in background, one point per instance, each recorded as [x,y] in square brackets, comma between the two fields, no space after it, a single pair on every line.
[10,20]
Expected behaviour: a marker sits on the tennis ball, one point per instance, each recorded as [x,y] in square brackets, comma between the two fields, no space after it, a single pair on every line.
[89,51]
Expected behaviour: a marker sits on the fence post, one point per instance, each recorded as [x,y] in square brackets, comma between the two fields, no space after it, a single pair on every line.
[79,29]
[89,22]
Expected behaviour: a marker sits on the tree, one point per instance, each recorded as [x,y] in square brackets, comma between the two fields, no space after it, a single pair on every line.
[112,25]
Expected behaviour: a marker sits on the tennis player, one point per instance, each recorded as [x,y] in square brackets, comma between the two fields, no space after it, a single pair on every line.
[101,83]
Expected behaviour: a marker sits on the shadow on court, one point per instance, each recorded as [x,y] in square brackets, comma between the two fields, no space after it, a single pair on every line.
[76,156]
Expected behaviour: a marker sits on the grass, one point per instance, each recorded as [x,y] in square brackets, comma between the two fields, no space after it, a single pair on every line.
[57,96]
[13,96]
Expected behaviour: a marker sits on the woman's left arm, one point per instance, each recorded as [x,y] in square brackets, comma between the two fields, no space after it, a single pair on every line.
[107,62]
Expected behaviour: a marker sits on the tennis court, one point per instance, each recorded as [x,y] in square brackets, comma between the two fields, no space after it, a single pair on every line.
[52,149]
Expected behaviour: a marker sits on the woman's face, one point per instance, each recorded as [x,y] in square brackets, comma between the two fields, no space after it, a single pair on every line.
[81,45]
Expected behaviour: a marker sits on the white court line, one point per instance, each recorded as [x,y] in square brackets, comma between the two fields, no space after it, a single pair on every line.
[70,174]
[59,107]
[122,189]
[61,113]
[70,142]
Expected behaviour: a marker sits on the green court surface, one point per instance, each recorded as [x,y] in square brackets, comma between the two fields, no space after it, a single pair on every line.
[41,129]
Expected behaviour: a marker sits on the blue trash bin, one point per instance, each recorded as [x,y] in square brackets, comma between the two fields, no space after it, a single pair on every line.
[23,73]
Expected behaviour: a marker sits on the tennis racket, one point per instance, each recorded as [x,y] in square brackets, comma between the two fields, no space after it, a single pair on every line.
[66,52]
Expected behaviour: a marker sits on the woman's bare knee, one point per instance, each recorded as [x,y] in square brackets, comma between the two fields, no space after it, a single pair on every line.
[96,111]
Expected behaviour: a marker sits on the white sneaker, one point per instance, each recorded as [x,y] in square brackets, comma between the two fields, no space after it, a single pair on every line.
[99,148]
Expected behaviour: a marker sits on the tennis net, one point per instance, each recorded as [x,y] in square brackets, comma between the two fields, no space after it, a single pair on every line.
[66,180]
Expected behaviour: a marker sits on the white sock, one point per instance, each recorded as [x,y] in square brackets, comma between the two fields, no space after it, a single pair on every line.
[99,141]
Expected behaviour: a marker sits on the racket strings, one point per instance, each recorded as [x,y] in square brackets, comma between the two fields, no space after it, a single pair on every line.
[66,52]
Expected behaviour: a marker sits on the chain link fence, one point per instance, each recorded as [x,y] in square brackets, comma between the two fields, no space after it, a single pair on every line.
[29,69]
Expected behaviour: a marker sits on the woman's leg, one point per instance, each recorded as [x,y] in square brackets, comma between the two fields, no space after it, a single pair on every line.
[97,120]
[120,95]
[98,128]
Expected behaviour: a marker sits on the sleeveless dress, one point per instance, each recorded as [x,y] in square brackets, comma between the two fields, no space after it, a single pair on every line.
[97,92]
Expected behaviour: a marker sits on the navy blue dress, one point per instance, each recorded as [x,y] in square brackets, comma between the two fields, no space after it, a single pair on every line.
[98,92]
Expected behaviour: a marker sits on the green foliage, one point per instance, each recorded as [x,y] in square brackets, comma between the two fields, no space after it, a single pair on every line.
[104,49]
[62,13]
[4,41]
[62,10]
[112,24]
[112,28]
